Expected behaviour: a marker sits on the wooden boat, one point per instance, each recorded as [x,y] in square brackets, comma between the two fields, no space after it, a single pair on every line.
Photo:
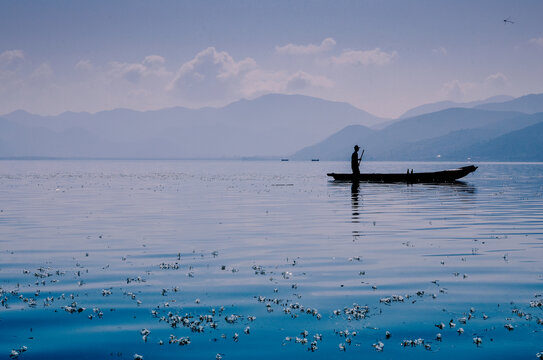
[445,176]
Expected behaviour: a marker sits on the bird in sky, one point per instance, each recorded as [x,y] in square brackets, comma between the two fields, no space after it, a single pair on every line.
[508,20]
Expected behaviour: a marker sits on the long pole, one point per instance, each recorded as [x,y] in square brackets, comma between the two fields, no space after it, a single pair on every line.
[359,160]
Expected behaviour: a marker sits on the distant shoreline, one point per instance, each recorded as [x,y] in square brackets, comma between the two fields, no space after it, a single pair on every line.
[278,159]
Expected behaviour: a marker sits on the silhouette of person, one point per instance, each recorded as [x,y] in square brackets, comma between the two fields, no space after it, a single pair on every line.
[355,161]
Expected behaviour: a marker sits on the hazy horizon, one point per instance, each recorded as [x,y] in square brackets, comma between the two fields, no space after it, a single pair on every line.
[381,57]
[249,99]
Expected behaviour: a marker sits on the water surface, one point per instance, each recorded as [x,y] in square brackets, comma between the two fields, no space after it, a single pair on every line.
[93,252]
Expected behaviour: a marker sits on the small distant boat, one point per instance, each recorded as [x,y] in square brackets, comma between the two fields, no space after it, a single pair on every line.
[284,159]
[314,159]
[445,176]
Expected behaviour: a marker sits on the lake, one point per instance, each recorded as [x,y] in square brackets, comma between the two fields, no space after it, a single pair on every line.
[265,259]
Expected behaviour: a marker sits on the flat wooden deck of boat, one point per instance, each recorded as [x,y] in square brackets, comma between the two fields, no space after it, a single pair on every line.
[425,177]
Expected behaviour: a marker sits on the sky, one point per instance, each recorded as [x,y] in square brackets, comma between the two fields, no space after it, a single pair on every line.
[384,57]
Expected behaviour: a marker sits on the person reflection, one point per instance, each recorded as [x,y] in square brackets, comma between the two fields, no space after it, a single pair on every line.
[355,201]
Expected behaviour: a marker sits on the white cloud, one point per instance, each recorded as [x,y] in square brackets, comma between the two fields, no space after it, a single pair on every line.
[11,56]
[467,91]
[129,72]
[152,60]
[440,51]
[84,65]
[455,90]
[210,62]
[537,41]
[44,71]
[302,80]
[292,49]
[259,82]
[364,57]
[497,80]
[151,66]
[211,76]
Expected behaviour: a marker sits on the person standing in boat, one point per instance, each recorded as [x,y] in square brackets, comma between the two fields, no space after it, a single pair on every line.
[355,161]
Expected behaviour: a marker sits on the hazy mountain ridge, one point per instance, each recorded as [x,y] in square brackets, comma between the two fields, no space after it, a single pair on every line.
[277,125]
[529,104]
[453,134]
[520,145]
[442,105]
[266,126]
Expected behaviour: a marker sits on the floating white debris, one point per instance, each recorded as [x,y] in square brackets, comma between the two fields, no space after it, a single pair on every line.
[378,346]
[414,342]
[231,319]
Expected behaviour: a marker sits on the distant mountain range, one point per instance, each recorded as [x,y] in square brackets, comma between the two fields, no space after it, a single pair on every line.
[529,104]
[442,105]
[507,133]
[272,126]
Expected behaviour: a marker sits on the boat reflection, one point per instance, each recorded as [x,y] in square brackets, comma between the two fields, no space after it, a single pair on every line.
[355,187]
[457,186]
[459,191]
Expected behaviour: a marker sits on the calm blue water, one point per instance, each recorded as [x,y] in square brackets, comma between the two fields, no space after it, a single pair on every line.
[189,249]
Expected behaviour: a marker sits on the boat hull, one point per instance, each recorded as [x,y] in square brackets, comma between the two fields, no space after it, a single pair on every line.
[445,176]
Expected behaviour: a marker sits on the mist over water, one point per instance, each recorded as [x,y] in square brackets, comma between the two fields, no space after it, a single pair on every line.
[162,245]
